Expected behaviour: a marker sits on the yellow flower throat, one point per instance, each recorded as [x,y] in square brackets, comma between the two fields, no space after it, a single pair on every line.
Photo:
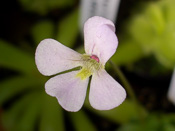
[91,64]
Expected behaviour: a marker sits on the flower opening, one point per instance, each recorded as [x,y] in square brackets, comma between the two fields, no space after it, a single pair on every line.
[91,64]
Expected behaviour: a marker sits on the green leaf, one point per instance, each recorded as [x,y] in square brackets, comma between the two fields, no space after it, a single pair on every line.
[11,116]
[153,29]
[168,121]
[128,52]
[153,122]
[16,59]
[168,11]
[42,30]
[155,15]
[121,114]
[51,115]
[142,32]
[14,86]
[30,116]
[68,29]
[131,126]
[81,121]
[165,50]
[42,7]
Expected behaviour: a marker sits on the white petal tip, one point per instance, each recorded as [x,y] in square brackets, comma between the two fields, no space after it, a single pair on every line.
[105,92]
[113,104]
[69,90]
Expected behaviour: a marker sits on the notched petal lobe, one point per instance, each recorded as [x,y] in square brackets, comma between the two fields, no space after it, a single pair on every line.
[105,92]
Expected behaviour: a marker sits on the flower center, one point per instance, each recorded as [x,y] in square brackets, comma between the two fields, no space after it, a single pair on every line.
[95,58]
[91,64]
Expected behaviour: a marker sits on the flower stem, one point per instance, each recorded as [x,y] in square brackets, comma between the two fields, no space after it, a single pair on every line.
[129,89]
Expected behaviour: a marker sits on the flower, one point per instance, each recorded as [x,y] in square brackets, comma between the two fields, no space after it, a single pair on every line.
[70,88]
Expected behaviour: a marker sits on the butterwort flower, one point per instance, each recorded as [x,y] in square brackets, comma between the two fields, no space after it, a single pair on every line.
[70,88]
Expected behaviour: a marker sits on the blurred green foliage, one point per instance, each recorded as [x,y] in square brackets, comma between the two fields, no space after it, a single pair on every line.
[41,30]
[13,58]
[43,7]
[122,114]
[68,29]
[154,122]
[27,107]
[153,29]
[127,53]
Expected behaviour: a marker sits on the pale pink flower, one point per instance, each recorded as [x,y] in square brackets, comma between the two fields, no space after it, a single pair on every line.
[70,88]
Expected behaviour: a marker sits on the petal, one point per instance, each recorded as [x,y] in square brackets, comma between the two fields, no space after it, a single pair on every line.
[171,90]
[52,57]
[100,38]
[68,89]
[105,92]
